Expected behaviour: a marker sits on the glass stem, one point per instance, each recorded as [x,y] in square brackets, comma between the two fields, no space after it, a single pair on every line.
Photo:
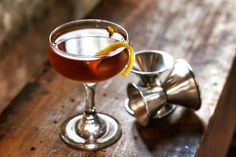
[90,94]
[91,126]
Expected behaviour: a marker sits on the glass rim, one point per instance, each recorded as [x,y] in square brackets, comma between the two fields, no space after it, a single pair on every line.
[76,57]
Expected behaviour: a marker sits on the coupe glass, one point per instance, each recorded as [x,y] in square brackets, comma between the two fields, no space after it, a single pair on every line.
[72,52]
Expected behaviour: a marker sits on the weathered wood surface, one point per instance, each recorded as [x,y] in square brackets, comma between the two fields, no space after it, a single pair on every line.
[202,32]
[22,56]
[222,124]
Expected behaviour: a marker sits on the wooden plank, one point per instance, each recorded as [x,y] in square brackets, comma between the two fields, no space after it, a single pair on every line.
[23,55]
[200,31]
[222,123]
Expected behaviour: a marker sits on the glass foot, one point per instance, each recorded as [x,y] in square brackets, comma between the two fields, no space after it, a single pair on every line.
[163,112]
[71,137]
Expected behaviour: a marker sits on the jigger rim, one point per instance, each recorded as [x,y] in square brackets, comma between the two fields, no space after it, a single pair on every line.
[182,61]
[140,111]
[168,64]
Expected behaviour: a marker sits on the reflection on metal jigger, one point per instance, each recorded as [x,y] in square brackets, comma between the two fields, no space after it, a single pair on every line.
[151,66]
[179,88]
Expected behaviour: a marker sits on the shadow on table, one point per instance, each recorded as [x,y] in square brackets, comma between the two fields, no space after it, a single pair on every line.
[177,134]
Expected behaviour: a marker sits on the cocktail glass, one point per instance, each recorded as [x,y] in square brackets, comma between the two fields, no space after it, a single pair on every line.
[72,52]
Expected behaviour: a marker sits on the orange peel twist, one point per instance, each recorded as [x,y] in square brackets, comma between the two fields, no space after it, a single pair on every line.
[112,47]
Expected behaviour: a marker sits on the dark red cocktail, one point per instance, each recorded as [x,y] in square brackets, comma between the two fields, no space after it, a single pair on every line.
[71,57]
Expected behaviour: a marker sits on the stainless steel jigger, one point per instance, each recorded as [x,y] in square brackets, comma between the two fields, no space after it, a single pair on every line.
[179,88]
[150,66]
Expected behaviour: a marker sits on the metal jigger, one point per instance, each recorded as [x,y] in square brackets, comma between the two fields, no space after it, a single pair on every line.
[179,88]
[150,66]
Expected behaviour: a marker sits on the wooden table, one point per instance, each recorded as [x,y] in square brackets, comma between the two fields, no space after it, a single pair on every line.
[202,32]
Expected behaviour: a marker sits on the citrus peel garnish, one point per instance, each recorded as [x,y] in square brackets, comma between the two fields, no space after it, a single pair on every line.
[111,30]
[112,47]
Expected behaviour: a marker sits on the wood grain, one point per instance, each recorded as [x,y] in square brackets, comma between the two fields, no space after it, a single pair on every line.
[24,55]
[222,124]
[202,32]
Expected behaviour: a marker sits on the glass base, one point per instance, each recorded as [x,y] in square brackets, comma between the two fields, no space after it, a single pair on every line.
[161,113]
[70,137]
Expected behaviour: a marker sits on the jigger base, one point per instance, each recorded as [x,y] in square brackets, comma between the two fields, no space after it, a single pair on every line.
[165,111]
[70,137]
[161,113]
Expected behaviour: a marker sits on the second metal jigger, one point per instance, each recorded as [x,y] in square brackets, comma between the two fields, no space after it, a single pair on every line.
[151,66]
[180,88]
